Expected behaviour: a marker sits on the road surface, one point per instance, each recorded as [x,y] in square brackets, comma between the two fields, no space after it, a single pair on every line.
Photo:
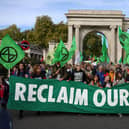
[48,120]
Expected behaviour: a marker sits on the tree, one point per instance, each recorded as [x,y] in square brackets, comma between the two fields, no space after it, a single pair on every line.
[13,31]
[60,32]
[43,30]
[92,45]
[30,37]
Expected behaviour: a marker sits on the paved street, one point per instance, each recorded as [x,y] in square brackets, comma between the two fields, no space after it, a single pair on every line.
[69,121]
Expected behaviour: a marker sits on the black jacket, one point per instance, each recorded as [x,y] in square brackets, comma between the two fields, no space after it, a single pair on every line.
[78,76]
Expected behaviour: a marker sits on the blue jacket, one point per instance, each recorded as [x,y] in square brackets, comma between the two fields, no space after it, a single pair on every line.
[101,77]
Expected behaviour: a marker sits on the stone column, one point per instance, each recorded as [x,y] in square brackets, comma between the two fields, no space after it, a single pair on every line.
[70,35]
[112,44]
[77,36]
[119,47]
[123,51]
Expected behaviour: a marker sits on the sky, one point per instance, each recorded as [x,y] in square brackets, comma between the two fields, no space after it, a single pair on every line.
[23,13]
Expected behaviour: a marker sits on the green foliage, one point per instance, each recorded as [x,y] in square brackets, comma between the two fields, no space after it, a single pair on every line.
[13,31]
[92,45]
[60,32]
[43,32]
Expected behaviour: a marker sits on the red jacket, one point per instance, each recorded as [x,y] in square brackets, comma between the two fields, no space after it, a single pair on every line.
[1,91]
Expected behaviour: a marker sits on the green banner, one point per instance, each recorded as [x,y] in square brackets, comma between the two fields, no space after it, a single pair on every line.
[63,96]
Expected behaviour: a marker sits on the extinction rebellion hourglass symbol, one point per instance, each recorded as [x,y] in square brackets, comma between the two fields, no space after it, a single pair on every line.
[8,54]
[65,54]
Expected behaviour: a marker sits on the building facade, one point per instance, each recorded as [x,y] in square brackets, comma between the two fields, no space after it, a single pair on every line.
[82,22]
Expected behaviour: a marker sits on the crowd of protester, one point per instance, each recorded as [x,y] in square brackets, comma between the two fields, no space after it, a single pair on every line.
[100,75]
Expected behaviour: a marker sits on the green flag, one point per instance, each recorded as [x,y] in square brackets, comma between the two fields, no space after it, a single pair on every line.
[70,53]
[73,48]
[98,60]
[104,47]
[123,37]
[95,58]
[104,57]
[81,57]
[120,61]
[61,53]
[124,41]
[10,52]
[58,54]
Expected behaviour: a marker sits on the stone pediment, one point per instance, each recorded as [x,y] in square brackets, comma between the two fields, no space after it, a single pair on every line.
[95,13]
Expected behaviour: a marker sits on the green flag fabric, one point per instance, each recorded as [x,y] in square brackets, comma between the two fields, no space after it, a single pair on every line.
[62,96]
[120,61]
[123,37]
[61,53]
[104,57]
[124,41]
[58,52]
[95,58]
[73,48]
[81,57]
[70,53]
[10,52]
[98,60]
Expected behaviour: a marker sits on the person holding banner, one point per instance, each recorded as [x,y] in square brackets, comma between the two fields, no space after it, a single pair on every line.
[14,71]
[69,71]
[96,81]
[43,70]
[119,79]
[107,81]
[78,75]
[21,73]
[56,71]
[37,73]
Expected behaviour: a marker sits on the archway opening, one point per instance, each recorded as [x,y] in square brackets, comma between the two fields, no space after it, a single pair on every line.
[92,45]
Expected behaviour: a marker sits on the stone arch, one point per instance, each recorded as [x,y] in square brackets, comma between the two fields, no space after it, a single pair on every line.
[85,32]
[80,22]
